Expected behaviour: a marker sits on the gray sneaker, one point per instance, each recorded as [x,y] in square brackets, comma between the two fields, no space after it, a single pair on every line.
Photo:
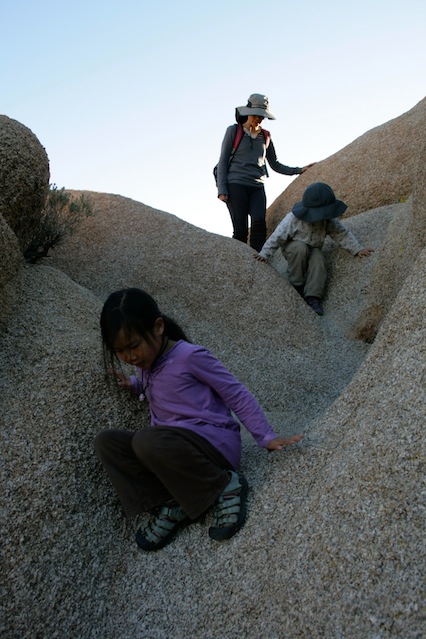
[162,529]
[229,510]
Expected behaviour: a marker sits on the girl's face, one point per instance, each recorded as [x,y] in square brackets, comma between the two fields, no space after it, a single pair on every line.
[132,348]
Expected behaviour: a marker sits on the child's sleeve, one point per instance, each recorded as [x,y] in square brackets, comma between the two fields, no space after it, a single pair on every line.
[210,371]
[277,239]
[343,236]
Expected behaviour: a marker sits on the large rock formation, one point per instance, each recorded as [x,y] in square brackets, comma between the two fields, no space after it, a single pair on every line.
[333,545]
[405,237]
[377,168]
[24,178]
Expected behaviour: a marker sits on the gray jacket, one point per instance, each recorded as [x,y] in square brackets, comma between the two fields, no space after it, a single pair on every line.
[311,233]
[248,165]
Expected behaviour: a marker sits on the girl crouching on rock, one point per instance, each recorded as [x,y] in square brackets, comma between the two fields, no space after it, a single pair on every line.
[187,461]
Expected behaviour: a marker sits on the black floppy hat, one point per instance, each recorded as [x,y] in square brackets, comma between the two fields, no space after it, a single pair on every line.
[318,203]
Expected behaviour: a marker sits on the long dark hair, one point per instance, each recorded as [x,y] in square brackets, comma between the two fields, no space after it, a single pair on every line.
[133,310]
[241,119]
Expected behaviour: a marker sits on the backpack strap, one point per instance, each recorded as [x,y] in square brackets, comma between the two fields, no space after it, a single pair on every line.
[238,137]
[267,137]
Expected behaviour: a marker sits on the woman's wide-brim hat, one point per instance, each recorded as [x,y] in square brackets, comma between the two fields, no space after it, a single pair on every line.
[257,104]
[318,203]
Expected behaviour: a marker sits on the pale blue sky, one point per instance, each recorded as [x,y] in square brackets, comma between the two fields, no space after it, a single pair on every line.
[134,97]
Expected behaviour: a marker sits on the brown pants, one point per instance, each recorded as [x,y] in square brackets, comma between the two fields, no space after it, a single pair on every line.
[153,465]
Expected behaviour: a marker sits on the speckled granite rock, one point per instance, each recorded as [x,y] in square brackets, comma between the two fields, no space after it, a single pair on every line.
[11,256]
[333,545]
[10,263]
[377,168]
[405,238]
[24,177]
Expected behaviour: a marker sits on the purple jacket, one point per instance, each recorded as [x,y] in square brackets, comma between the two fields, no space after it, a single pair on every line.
[189,388]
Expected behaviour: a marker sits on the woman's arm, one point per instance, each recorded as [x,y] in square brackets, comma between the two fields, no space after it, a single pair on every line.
[271,156]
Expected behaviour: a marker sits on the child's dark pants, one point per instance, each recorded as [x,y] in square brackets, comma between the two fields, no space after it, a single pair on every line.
[153,465]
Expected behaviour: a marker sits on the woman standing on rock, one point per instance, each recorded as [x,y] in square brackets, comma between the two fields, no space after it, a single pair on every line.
[186,462]
[241,170]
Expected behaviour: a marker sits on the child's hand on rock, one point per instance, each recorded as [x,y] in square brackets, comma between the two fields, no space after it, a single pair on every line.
[365,252]
[122,380]
[280,442]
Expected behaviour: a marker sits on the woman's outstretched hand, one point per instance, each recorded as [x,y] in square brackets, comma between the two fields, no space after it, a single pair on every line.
[281,442]
[308,166]
[122,380]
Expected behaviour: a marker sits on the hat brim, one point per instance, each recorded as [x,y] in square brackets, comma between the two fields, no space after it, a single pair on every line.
[264,113]
[317,213]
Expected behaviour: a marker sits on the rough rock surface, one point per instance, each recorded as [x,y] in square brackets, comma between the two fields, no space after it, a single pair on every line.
[377,168]
[405,237]
[24,178]
[334,542]
[11,256]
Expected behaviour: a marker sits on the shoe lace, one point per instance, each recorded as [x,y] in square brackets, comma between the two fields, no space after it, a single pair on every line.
[163,524]
[227,508]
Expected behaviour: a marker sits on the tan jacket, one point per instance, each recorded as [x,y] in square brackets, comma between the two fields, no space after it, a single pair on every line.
[311,233]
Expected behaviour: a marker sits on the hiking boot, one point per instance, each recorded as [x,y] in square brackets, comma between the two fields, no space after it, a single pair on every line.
[162,529]
[229,510]
[315,304]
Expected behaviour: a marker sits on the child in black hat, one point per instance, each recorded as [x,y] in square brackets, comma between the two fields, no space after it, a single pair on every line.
[301,234]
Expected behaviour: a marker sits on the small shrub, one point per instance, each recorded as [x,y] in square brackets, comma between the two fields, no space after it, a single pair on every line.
[60,217]
[368,324]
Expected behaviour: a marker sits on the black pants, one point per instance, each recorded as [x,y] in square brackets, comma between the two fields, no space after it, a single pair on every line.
[150,466]
[245,201]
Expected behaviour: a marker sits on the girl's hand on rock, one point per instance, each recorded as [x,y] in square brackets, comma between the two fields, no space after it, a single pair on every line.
[281,442]
[122,380]
[365,252]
